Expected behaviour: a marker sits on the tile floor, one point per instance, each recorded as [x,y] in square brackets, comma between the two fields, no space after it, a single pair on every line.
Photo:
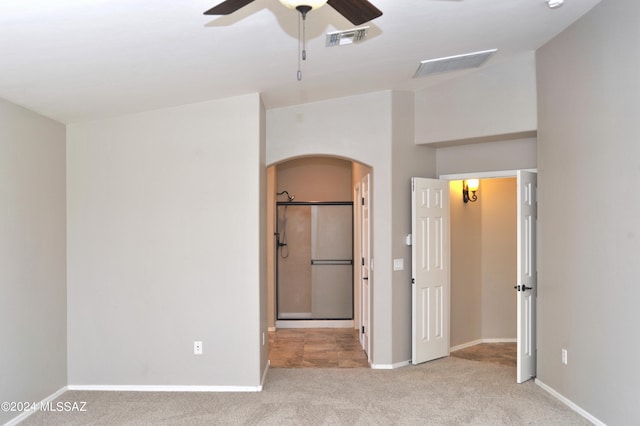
[496,353]
[340,348]
[316,348]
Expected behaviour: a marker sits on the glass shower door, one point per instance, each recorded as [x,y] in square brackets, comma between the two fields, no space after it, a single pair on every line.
[331,262]
[315,261]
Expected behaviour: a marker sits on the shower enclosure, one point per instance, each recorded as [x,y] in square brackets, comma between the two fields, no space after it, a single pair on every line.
[314,266]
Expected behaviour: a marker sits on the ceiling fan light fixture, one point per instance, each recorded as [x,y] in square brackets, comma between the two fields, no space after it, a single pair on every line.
[294,4]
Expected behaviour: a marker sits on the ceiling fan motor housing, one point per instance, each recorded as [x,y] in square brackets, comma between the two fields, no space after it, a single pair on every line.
[301,5]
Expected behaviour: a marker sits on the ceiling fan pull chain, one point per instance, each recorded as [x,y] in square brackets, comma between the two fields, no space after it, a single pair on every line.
[302,41]
[299,48]
[304,37]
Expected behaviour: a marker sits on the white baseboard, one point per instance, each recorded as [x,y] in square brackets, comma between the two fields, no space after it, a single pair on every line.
[25,414]
[314,324]
[569,403]
[164,388]
[479,341]
[390,366]
[502,340]
[465,345]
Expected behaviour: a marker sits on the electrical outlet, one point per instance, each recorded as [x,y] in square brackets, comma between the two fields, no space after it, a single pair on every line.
[197,348]
[564,357]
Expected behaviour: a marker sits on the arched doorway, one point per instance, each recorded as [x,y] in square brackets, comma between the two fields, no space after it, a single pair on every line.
[305,182]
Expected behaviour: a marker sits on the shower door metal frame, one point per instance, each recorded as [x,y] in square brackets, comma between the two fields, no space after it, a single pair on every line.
[318,262]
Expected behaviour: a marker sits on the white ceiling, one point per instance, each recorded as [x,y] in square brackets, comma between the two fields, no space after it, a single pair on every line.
[79,60]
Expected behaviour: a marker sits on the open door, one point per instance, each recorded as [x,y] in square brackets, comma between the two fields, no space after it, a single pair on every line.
[366,277]
[526,286]
[430,269]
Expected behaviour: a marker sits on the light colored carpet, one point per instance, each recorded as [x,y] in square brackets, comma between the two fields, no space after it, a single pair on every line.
[449,391]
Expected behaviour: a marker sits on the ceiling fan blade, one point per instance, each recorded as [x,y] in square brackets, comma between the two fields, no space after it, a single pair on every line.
[356,11]
[227,7]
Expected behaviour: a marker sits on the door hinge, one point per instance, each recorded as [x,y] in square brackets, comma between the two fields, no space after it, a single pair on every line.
[413,281]
[522,287]
[363,329]
[363,201]
[363,261]
[413,185]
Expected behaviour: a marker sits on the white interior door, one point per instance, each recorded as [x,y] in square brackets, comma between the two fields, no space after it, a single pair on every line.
[366,275]
[526,286]
[430,269]
[357,256]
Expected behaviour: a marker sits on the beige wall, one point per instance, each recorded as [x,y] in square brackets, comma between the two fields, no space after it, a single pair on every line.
[589,233]
[497,99]
[263,240]
[466,268]
[33,321]
[517,154]
[315,179]
[499,257]
[166,246]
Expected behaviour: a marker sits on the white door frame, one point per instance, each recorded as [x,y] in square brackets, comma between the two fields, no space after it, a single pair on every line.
[485,175]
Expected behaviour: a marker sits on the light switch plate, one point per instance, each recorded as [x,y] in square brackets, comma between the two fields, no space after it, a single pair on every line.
[398,264]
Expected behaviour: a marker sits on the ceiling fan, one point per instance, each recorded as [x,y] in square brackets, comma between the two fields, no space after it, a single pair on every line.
[356,11]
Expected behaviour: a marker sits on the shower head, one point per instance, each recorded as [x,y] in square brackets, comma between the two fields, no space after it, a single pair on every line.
[290,197]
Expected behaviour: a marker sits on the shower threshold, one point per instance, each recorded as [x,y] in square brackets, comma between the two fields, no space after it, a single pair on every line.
[314,324]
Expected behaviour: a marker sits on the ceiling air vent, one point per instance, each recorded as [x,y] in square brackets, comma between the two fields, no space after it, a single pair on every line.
[453,63]
[340,38]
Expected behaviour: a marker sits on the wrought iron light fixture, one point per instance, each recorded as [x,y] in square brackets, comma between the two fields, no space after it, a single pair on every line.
[470,185]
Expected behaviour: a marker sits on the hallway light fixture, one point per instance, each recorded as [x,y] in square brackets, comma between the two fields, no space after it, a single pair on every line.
[470,185]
